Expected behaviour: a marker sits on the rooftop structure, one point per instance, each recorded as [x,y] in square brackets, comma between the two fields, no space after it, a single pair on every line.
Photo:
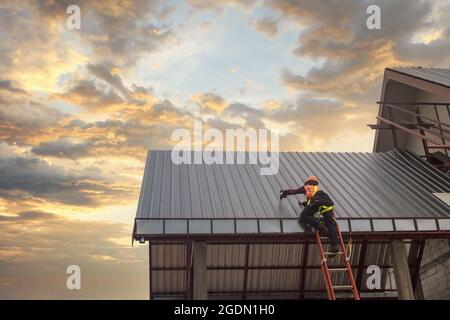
[220,230]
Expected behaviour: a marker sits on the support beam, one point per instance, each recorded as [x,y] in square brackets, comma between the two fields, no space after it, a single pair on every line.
[424,143]
[389,105]
[394,133]
[150,271]
[407,125]
[200,276]
[244,285]
[361,263]
[411,132]
[422,130]
[188,270]
[303,271]
[401,270]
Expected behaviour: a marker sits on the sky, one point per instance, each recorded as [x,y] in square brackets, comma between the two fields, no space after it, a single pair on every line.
[80,108]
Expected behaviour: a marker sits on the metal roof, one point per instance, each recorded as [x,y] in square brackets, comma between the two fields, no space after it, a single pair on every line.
[202,198]
[395,184]
[439,76]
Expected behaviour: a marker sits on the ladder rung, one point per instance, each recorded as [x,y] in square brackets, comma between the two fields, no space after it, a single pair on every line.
[342,287]
[337,269]
[332,253]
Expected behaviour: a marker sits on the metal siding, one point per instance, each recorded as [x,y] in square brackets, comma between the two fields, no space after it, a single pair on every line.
[225,280]
[436,75]
[369,185]
[169,256]
[232,255]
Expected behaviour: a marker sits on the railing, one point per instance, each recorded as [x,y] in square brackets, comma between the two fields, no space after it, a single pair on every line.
[433,132]
[158,227]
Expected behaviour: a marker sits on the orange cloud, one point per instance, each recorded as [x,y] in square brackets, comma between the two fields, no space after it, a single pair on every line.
[210,101]
[34,264]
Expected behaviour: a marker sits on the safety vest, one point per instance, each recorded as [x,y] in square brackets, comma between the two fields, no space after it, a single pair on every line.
[310,192]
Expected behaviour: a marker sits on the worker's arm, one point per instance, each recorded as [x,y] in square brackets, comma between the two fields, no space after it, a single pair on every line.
[288,192]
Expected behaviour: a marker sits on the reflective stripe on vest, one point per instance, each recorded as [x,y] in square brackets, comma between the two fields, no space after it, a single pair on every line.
[324,209]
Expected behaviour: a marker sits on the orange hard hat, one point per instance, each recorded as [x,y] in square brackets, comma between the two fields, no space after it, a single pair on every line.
[312,180]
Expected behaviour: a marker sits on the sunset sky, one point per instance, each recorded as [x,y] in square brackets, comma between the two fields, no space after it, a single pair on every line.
[79,109]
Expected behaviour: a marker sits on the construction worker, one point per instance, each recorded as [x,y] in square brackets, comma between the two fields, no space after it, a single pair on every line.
[316,201]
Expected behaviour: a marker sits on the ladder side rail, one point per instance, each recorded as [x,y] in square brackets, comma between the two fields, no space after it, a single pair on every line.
[347,262]
[325,271]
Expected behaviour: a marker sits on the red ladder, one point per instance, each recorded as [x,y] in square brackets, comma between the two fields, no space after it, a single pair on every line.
[346,268]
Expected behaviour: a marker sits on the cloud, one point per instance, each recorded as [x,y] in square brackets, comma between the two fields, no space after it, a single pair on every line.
[28,114]
[140,130]
[26,216]
[354,57]
[104,90]
[34,264]
[90,95]
[250,85]
[33,53]
[32,179]
[323,124]
[233,69]
[105,71]
[122,31]
[253,117]
[210,101]
[25,120]
[63,148]
[272,104]
[267,26]
[8,85]
[220,4]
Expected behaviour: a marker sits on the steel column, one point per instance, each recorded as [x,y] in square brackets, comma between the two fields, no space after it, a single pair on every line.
[200,271]
[394,134]
[303,271]
[150,282]
[362,259]
[244,287]
[401,270]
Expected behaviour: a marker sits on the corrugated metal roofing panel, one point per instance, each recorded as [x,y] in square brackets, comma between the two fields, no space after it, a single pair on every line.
[363,185]
[272,267]
[437,75]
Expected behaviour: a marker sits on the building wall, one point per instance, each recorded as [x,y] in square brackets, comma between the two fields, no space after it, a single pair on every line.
[435,267]
[429,111]
[435,270]
[394,92]
[399,92]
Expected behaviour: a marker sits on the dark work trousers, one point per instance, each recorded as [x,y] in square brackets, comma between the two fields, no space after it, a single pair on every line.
[329,223]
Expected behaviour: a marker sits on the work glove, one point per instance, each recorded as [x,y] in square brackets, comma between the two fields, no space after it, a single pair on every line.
[283,194]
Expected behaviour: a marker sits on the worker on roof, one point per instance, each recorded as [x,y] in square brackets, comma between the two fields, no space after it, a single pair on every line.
[317,201]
